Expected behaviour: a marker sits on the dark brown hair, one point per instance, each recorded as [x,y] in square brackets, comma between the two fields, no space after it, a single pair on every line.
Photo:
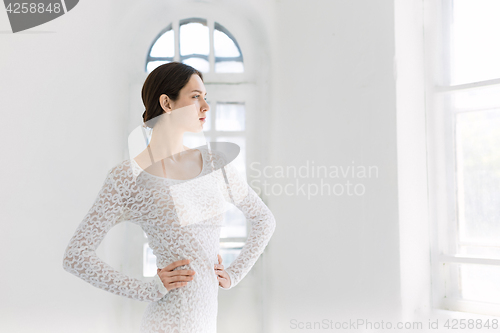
[166,79]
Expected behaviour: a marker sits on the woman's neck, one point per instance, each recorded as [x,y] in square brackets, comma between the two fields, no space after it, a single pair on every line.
[166,143]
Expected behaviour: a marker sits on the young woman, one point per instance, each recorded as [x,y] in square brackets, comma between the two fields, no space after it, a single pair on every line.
[178,196]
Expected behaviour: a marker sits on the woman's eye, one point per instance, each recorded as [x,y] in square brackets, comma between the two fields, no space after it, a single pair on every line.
[196,96]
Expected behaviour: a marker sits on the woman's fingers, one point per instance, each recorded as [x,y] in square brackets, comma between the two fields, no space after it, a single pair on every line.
[172,278]
[170,269]
[171,283]
[219,266]
[224,281]
[176,264]
[176,281]
[180,272]
[222,275]
[180,275]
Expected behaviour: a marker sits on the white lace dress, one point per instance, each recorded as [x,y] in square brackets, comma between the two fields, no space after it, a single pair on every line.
[182,220]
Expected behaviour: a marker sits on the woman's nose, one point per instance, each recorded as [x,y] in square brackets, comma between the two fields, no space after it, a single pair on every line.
[205,107]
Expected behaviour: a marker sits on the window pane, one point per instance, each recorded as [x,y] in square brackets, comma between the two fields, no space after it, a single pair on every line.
[474,46]
[478,251]
[208,120]
[239,162]
[153,64]
[149,261]
[478,282]
[164,46]
[234,224]
[200,64]
[224,46]
[228,255]
[194,39]
[478,176]
[230,117]
[477,98]
[229,67]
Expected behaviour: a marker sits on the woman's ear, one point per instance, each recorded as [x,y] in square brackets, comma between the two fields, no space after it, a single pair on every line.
[165,103]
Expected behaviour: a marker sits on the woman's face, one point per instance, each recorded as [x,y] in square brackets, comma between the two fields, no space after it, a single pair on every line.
[190,106]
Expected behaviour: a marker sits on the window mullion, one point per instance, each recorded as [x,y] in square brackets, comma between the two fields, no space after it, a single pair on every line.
[177,42]
[211,56]
[468,260]
[466,86]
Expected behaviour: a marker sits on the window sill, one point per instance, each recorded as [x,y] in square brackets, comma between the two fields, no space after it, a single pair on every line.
[471,313]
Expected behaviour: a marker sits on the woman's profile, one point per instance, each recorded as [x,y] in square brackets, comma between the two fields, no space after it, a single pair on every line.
[178,196]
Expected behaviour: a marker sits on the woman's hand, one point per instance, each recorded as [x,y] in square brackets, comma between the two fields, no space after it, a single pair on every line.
[222,276]
[175,278]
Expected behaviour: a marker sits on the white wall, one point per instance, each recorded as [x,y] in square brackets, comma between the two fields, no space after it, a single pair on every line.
[335,257]
[412,160]
[62,106]
[65,108]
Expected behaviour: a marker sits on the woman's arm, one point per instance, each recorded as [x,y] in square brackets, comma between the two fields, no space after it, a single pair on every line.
[81,260]
[262,222]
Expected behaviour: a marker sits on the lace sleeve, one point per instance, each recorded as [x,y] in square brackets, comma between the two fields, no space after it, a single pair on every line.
[81,260]
[262,222]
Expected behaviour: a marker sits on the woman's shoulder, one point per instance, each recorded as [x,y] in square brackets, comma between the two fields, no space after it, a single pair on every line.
[216,154]
[122,170]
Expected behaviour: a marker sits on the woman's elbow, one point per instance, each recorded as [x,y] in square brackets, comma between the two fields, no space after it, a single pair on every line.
[67,262]
[71,260]
[271,222]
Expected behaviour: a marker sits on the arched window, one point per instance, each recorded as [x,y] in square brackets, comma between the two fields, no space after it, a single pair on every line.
[196,43]
[210,48]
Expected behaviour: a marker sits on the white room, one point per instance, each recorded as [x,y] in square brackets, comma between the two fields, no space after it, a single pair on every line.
[368,128]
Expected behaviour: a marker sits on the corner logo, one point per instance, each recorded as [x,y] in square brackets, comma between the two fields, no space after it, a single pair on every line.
[29,14]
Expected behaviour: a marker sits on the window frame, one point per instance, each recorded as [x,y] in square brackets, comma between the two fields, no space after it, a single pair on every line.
[442,167]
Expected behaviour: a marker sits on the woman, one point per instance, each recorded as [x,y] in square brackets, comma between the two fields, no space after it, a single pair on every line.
[179,207]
